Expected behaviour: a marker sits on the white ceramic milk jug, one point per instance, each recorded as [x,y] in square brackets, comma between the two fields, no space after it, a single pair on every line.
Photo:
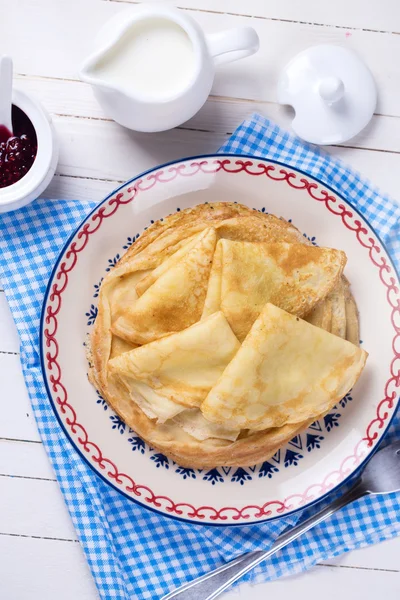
[153,66]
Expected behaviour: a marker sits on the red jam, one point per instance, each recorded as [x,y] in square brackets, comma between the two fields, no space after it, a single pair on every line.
[17,151]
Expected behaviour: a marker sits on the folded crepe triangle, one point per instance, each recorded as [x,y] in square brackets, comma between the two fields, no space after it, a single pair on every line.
[286,371]
[176,372]
[171,261]
[245,276]
[175,299]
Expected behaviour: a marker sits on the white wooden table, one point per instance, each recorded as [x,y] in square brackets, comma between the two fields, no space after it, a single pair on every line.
[40,556]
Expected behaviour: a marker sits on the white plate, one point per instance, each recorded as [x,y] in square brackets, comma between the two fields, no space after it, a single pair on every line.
[314,462]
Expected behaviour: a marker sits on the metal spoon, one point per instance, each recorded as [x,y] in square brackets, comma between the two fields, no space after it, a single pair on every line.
[6,73]
[380,476]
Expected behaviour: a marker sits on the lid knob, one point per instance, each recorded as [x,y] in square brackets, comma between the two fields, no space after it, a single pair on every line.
[331,89]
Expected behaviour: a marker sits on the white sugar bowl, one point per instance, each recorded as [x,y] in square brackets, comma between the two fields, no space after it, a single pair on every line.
[37,178]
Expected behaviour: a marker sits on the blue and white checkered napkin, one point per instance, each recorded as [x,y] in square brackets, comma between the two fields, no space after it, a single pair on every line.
[133,552]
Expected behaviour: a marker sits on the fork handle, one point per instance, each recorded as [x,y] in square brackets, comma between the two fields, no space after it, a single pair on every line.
[210,585]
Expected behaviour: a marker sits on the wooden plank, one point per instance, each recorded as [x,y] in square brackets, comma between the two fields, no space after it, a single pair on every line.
[384,556]
[332,582]
[25,459]
[64,97]
[254,78]
[225,114]
[29,460]
[9,339]
[382,16]
[219,114]
[79,188]
[122,154]
[381,168]
[57,569]
[17,420]
[45,515]
[118,153]
[38,569]
[118,159]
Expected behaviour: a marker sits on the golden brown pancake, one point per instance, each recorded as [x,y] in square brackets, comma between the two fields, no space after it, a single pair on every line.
[175,299]
[160,292]
[180,368]
[285,371]
[245,276]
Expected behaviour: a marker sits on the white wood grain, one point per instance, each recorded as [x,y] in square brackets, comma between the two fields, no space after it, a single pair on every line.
[25,459]
[39,569]
[9,339]
[330,582]
[80,188]
[384,557]
[219,114]
[21,499]
[379,16]
[57,569]
[17,420]
[28,461]
[255,78]
[382,171]
[51,567]
[121,154]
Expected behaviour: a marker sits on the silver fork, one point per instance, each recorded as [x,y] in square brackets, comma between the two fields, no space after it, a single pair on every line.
[380,476]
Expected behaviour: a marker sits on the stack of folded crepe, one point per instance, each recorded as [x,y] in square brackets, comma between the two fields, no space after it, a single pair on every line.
[222,333]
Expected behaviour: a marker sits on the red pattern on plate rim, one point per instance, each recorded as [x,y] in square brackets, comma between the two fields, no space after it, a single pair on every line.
[211,166]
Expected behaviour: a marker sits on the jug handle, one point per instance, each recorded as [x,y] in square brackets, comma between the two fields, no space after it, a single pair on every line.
[232,44]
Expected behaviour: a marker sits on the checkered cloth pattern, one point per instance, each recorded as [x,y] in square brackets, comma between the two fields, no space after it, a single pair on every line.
[134,553]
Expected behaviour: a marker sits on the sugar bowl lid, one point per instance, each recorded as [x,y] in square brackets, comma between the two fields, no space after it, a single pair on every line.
[332,92]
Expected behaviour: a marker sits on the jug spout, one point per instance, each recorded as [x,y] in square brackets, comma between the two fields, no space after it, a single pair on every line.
[90,73]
